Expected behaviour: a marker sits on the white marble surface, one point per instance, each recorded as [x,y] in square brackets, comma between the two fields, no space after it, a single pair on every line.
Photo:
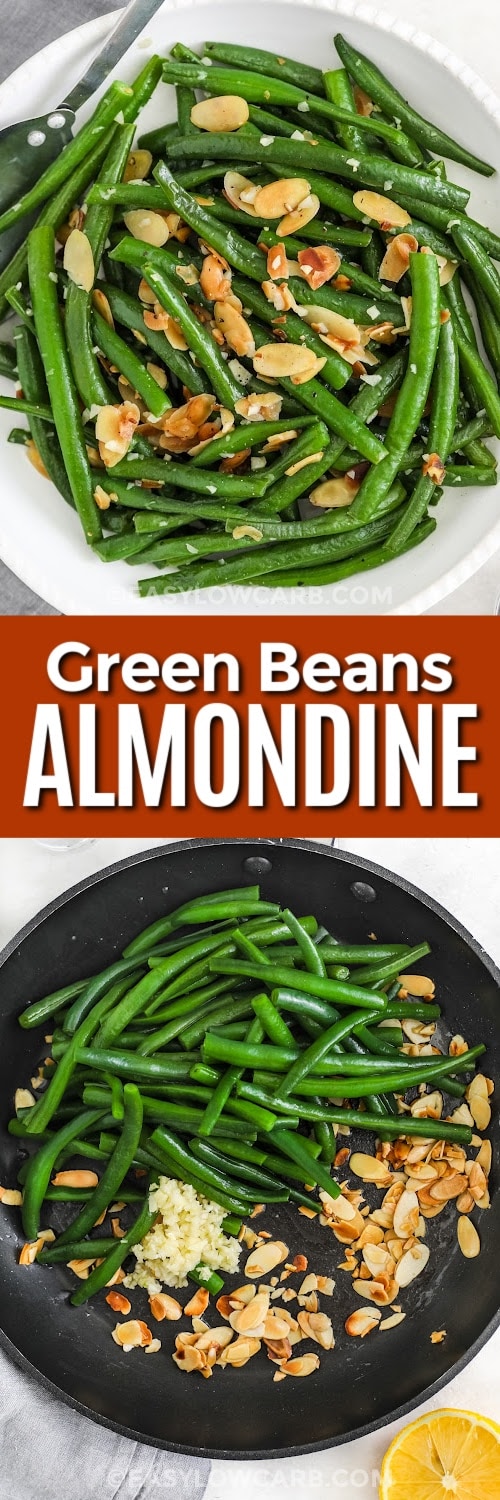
[465,876]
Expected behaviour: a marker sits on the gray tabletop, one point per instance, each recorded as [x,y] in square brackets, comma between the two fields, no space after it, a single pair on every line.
[27,26]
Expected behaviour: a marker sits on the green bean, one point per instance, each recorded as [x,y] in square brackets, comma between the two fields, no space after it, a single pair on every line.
[91,990]
[292,1145]
[375,557]
[159,1109]
[338,90]
[480,264]
[150,936]
[169,1143]
[129,311]
[149,987]
[473,368]
[247,435]
[256,1177]
[368,171]
[41,1165]
[413,393]
[225,1084]
[229,1010]
[197,480]
[378,973]
[87,373]
[53,1255]
[490,327]
[441,428]
[318,1050]
[102,1274]
[41,1114]
[129,365]
[8,361]
[116,1170]
[211,1280]
[40,1010]
[271,1022]
[167,1065]
[67,418]
[259,88]
[299,73]
[466,475]
[357,1086]
[31,408]
[369,77]
[311,956]
[367,285]
[246,1055]
[312,984]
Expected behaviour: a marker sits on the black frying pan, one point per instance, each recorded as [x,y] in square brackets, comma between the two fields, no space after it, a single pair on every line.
[362,1383]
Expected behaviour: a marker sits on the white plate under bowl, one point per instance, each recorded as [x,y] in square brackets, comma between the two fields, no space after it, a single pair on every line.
[40,537]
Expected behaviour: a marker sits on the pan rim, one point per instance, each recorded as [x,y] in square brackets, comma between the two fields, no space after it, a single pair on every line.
[341,856]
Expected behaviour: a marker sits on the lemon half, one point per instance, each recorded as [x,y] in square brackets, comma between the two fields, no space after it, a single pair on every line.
[444,1455]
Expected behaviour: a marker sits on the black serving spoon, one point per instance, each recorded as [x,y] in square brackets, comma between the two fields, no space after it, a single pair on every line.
[27,149]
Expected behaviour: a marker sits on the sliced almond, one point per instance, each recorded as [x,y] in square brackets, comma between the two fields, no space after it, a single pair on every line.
[276,1328]
[163,1306]
[325,321]
[115,427]
[237,332]
[318,265]
[412,1263]
[264,406]
[240,192]
[277,263]
[101,303]
[265,1258]
[417,984]
[293,222]
[81,1179]
[11,1197]
[468,1238]
[132,1335]
[317,1326]
[465,1203]
[361,1322]
[281,197]
[448,1187]
[429,1106]
[369,1169]
[397,257]
[119,1303]
[78,260]
[138,166]
[146,225]
[383,210]
[221,113]
[477,1182]
[30,1251]
[304,1365]
[277,361]
[239,1352]
[333,494]
[23,1099]
[197,1304]
[215,278]
[392,1321]
[457,1046]
[483,1157]
[252,1317]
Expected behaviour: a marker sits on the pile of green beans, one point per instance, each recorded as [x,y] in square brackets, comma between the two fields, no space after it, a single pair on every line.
[216,1050]
[224,492]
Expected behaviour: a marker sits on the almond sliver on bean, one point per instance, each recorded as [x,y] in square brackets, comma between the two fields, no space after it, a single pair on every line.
[235,186]
[326,321]
[275,361]
[292,222]
[281,197]
[223,112]
[145,225]
[335,493]
[78,260]
[236,330]
[383,210]
[397,256]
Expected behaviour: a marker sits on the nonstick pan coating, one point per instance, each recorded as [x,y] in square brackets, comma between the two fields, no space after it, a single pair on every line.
[361,1384]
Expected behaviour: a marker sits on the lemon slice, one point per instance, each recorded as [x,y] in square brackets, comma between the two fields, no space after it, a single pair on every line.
[445,1455]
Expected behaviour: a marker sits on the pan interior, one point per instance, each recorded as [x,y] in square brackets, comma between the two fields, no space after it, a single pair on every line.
[361,1382]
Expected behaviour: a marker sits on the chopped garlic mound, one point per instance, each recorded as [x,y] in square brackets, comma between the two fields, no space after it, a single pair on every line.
[189,1232]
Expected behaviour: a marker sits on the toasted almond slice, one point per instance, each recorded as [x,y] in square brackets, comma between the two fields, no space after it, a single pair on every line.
[317,1326]
[215,278]
[265,1258]
[293,222]
[237,332]
[275,361]
[411,1264]
[11,1197]
[214,1338]
[477,1182]
[318,264]
[461,1115]
[153,1347]
[163,1306]
[118,1302]
[370,1169]
[417,984]
[239,1352]
[277,263]
[397,257]
[146,225]
[221,113]
[115,427]
[251,1318]
[81,1179]
[23,1099]
[332,494]
[197,1304]
[383,210]
[304,1365]
[362,1321]
[78,260]
[146,293]
[101,303]
[477,1085]
[138,166]
[465,1203]
[130,1334]
[483,1157]
[393,1320]
[468,1238]
[281,197]
[30,1251]
[276,1328]
[240,192]
[325,321]
[261,406]
[429,1106]
[188,1359]
[448,1187]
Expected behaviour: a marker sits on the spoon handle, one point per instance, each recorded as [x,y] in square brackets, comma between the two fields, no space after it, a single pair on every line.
[131,22]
